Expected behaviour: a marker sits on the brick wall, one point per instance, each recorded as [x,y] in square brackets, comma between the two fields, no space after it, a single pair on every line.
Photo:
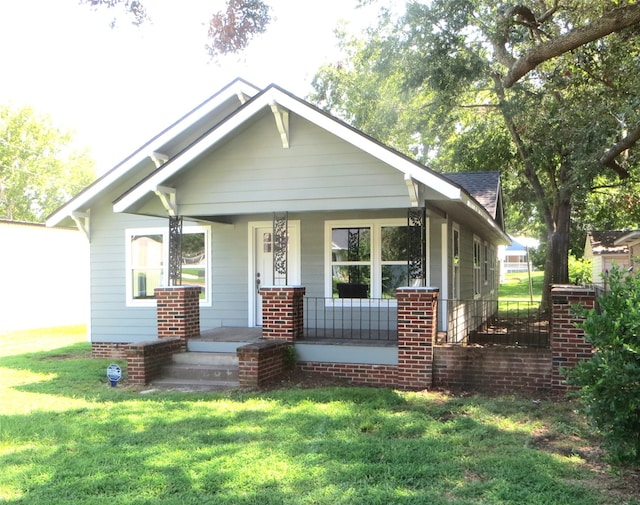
[282,312]
[116,350]
[492,369]
[178,311]
[371,375]
[417,327]
[261,362]
[567,341]
[146,359]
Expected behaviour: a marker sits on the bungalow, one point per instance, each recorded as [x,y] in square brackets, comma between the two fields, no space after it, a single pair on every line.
[257,187]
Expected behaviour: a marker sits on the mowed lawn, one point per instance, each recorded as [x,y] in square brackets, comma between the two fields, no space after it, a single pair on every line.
[67,437]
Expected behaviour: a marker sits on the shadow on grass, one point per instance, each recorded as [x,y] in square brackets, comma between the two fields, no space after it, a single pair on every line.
[97,444]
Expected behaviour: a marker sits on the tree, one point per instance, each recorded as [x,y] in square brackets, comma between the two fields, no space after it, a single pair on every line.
[610,381]
[38,169]
[550,89]
[230,30]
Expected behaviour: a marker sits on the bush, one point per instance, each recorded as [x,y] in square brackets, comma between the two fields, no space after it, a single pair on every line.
[610,382]
[580,271]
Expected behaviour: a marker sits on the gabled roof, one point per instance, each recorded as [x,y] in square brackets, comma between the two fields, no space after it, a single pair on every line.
[483,186]
[238,90]
[478,193]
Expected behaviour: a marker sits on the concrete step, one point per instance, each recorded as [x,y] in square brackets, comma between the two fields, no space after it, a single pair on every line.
[206,358]
[200,371]
[193,385]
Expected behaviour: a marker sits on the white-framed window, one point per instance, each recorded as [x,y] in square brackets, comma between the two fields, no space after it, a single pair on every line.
[492,268]
[365,258]
[477,266]
[147,260]
[455,262]
[485,262]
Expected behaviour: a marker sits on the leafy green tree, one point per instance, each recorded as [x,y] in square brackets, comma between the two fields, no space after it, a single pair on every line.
[610,381]
[38,169]
[540,92]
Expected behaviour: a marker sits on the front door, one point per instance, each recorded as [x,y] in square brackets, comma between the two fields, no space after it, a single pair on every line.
[261,268]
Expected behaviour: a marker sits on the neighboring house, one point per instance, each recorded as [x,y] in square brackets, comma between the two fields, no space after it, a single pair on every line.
[46,276]
[271,190]
[515,257]
[605,249]
[631,240]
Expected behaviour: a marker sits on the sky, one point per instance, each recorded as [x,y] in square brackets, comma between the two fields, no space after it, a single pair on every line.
[117,88]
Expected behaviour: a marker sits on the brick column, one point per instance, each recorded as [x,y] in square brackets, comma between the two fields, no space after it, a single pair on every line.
[282,312]
[417,328]
[178,309]
[568,344]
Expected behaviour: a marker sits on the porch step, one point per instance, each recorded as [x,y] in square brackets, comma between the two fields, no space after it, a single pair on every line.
[200,371]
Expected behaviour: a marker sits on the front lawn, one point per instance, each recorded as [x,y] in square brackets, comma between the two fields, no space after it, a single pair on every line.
[67,437]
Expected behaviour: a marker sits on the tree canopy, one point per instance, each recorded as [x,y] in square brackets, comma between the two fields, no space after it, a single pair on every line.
[39,170]
[230,29]
[546,92]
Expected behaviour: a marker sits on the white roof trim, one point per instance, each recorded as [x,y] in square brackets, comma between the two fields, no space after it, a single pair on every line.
[271,96]
[236,88]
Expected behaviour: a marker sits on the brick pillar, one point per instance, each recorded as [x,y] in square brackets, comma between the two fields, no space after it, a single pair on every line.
[178,309]
[417,327]
[568,344]
[282,312]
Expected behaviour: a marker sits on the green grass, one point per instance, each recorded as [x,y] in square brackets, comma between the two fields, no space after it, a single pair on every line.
[516,287]
[67,437]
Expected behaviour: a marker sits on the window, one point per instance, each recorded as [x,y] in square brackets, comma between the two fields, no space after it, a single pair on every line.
[455,276]
[147,259]
[492,268]
[485,257]
[477,265]
[366,259]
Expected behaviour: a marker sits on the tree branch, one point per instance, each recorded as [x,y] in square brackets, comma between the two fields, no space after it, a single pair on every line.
[611,22]
[627,142]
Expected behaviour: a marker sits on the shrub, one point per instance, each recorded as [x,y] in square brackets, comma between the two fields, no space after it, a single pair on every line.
[610,382]
[580,271]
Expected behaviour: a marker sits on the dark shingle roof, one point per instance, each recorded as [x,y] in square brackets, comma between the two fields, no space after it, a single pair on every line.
[483,186]
[604,241]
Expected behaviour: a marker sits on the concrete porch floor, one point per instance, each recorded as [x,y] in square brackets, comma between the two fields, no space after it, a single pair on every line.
[231,334]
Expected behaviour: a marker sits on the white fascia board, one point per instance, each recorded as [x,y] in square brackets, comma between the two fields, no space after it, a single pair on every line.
[270,97]
[627,237]
[233,90]
[481,211]
[180,161]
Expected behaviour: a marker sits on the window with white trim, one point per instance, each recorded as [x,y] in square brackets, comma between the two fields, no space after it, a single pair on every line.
[147,259]
[366,259]
[485,258]
[477,266]
[455,262]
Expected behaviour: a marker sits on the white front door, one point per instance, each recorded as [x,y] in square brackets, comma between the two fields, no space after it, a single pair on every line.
[261,263]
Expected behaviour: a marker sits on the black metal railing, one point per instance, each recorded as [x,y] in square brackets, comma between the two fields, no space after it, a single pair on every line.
[367,319]
[493,322]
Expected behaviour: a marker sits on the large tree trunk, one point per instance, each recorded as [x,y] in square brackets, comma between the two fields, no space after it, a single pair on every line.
[556,265]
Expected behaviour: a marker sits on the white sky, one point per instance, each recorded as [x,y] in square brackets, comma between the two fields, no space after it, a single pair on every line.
[117,88]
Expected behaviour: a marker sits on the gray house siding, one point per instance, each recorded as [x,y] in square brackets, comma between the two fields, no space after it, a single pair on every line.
[317,171]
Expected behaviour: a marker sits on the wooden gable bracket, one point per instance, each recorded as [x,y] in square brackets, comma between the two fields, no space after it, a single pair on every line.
[242,97]
[158,158]
[82,222]
[412,187]
[168,198]
[282,123]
